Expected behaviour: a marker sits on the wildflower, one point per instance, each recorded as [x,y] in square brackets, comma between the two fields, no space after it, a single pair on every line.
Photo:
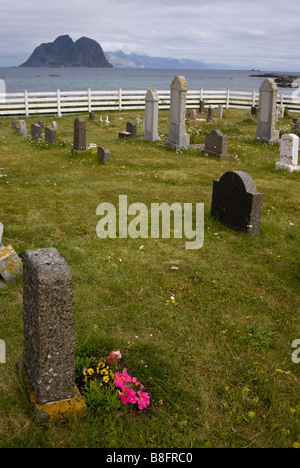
[114,355]
[128,396]
[143,400]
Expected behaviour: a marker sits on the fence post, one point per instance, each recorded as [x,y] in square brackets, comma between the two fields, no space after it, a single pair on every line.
[26,103]
[253,99]
[58,103]
[89,100]
[120,98]
[227,98]
[201,94]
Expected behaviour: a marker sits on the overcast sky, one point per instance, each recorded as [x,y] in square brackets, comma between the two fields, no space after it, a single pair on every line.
[263,34]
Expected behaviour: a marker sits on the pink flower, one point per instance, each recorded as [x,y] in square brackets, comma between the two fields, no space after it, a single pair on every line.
[122,379]
[143,400]
[128,396]
[114,355]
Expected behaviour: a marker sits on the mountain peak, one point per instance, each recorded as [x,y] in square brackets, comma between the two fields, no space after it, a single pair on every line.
[64,52]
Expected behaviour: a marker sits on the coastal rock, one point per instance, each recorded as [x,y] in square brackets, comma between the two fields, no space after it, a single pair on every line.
[282,81]
[64,52]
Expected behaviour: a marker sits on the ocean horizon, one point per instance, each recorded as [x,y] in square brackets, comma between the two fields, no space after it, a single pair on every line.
[18,79]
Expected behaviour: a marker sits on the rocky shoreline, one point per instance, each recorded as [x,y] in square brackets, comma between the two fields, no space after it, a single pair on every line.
[282,81]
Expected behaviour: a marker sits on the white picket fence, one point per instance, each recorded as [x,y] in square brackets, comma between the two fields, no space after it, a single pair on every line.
[64,102]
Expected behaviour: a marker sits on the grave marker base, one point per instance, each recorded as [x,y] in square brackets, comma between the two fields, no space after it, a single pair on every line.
[50,412]
[287,167]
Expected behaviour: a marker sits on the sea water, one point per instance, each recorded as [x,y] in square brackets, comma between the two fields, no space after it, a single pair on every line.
[78,79]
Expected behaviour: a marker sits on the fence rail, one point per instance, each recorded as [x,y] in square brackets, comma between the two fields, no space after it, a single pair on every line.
[64,102]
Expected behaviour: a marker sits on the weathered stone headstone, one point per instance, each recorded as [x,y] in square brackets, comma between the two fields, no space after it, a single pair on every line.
[92,116]
[296,127]
[22,128]
[193,115]
[36,132]
[178,138]
[10,263]
[236,202]
[14,125]
[48,328]
[220,112]
[103,154]
[254,111]
[281,110]
[289,153]
[54,126]
[202,107]
[151,115]
[50,135]
[210,114]
[41,123]
[266,132]
[216,144]
[131,128]
[79,144]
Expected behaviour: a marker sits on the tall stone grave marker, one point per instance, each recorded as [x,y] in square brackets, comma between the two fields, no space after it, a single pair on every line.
[289,153]
[48,328]
[210,114]
[79,143]
[202,107]
[178,138]
[236,202]
[151,115]
[103,154]
[216,144]
[220,112]
[266,132]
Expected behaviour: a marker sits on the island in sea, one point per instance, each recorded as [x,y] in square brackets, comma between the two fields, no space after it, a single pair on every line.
[64,52]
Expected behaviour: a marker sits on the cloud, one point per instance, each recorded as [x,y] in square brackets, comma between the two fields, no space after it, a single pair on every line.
[237,32]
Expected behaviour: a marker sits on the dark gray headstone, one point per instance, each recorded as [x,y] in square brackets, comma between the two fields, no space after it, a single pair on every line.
[236,202]
[49,357]
[79,143]
[254,111]
[210,114]
[92,116]
[41,123]
[202,107]
[50,135]
[216,144]
[103,154]
[131,128]
[36,132]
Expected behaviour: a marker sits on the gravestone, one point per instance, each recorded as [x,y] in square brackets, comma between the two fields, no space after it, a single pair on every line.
[54,126]
[50,135]
[193,115]
[79,144]
[22,128]
[177,137]
[103,154]
[48,327]
[10,263]
[92,116]
[266,132]
[202,107]
[151,115]
[41,123]
[281,110]
[14,125]
[216,144]
[296,127]
[36,132]
[220,112]
[289,153]
[210,114]
[236,202]
[254,111]
[131,128]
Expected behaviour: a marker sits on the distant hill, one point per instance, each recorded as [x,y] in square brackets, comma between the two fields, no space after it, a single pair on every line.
[64,52]
[121,60]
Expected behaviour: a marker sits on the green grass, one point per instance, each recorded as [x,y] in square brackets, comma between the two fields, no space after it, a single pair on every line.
[217,363]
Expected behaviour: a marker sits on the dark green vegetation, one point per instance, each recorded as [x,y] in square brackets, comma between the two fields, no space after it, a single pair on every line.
[216,360]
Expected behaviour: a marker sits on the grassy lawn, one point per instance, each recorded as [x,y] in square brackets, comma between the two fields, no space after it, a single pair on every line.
[216,361]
